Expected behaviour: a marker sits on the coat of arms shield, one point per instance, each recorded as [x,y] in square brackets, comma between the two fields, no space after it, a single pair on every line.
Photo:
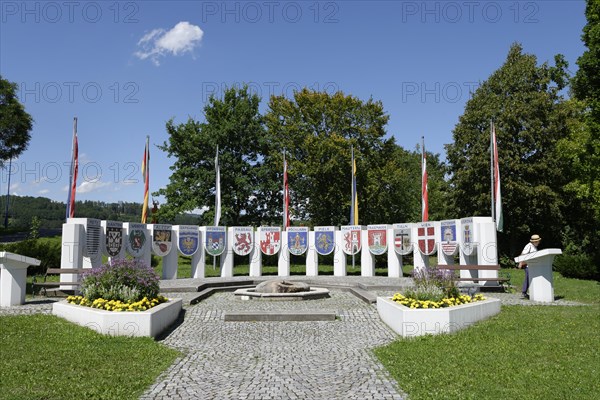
[215,240]
[351,239]
[188,239]
[243,240]
[448,240]
[136,240]
[324,239]
[297,240]
[377,237]
[161,239]
[468,236]
[403,239]
[426,238]
[270,239]
[113,238]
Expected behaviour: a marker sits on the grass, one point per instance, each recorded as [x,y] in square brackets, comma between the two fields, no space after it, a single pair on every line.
[45,357]
[537,352]
[533,352]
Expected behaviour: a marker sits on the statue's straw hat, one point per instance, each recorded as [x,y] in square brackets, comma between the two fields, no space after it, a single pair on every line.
[535,238]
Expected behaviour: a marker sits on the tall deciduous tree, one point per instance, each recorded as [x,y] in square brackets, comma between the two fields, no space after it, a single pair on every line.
[581,150]
[530,115]
[15,122]
[319,130]
[234,123]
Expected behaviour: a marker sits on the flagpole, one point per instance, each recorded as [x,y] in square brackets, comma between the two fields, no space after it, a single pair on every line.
[8,194]
[352,211]
[217,197]
[492,167]
[424,189]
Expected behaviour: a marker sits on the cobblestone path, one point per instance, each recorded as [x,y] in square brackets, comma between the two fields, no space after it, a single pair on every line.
[277,360]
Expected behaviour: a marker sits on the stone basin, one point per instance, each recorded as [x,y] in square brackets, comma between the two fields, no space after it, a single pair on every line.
[312,294]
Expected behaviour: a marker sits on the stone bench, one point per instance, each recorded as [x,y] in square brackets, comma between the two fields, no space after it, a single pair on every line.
[475,268]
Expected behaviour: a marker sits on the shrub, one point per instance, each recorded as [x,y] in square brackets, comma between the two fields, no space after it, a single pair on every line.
[45,250]
[436,277]
[125,280]
[579,266]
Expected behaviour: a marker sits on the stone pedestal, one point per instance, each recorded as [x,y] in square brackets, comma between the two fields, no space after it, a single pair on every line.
[541,286]
[312,257]
[339,257]
[13,278]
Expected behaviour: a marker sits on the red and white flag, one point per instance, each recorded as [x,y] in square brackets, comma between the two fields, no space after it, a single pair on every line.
[496,182]
[424,196]
[73,173]
[146,175]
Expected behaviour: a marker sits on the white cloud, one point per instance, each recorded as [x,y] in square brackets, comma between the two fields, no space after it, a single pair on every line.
[181,39]
[44,191]
[91,186]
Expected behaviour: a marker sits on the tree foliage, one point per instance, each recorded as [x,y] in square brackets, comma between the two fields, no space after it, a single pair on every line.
[235,125]
[15,122]
[319,131]
[524,101]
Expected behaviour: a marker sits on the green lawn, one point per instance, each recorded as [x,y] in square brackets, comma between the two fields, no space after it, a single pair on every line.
[45,357]
[525,352]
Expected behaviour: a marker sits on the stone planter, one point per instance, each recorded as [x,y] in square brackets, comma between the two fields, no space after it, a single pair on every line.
[124,323]
[409,322]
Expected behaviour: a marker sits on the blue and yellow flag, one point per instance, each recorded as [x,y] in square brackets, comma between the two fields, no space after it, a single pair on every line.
[354,199]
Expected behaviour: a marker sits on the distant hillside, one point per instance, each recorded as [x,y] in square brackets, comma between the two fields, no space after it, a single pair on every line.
[52,213]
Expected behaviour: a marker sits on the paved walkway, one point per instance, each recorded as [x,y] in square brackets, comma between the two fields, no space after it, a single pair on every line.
[276,360]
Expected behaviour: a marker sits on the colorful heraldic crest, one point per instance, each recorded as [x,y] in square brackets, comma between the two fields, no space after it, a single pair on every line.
[377,236]
[113,241]
[270,239]
[215,240]
[297,240]
[161,240]
[136,240]
[243,240]
[426,238]
[351,239]
[324,239]
[188,240]
[403,239]
[92,238]
[468,243]
[448,239]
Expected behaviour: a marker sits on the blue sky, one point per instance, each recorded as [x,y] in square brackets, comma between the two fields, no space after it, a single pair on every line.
[125,67]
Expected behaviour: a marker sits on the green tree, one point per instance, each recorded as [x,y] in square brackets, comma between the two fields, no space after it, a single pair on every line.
[15,122]
[235,125]
[580,152]
[319,130]
[530,115]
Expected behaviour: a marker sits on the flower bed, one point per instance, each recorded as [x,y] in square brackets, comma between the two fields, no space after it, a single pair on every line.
[151,322]
[121,298]
[409,322]
[117,305]
[445,302]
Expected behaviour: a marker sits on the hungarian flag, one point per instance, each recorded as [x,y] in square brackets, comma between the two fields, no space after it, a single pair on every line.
[73,173]
[354,199]
[286,196]
[217,189]
[424,196]
[496,182]
[146,175]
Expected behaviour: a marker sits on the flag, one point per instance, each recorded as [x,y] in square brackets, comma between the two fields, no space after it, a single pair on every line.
[354,198]
[146,175]
[424,195]
[73,173]
[217,189]
[286,196]
[496,182]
